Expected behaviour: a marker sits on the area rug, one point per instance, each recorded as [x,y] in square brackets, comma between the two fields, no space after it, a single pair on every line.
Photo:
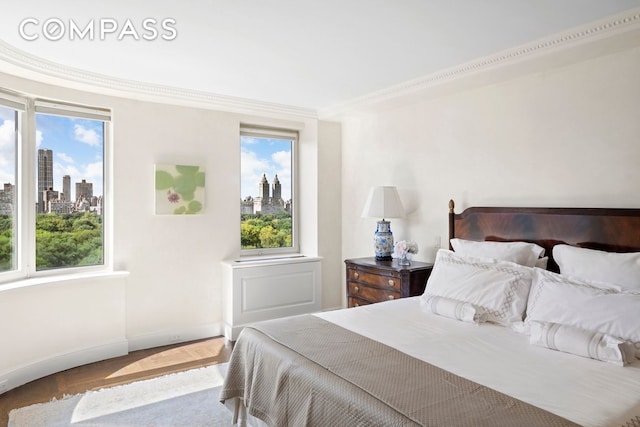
[187,398]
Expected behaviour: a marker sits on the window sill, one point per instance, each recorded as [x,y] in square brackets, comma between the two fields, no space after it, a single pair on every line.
[46,280]
[271,260]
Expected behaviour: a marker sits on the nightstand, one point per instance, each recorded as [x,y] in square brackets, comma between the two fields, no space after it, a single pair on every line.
[370,281]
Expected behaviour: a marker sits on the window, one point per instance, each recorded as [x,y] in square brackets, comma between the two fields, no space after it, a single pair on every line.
[52,206]
[268,191]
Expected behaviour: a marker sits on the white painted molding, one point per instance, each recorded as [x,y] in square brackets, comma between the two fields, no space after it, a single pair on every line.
[17,61]
[174,336]
[624,28]
[62,361]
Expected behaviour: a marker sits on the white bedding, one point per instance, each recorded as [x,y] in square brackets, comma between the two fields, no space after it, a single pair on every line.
[585,391]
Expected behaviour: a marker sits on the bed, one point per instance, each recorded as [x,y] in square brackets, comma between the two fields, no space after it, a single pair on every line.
[496,340]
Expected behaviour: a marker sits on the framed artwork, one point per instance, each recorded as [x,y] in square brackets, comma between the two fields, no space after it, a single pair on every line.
[179,190]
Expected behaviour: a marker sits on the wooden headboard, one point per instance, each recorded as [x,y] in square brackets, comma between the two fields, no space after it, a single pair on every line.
[616,230]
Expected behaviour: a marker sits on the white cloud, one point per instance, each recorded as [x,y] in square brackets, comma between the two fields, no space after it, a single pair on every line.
[250,140]
[93,170]
[282,159]
[88,136]
[65,157]
[252,170]
[7,151]
[7,134]
[38,138]
[60,170]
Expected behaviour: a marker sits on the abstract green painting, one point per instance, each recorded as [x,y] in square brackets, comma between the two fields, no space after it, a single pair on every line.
[179,190]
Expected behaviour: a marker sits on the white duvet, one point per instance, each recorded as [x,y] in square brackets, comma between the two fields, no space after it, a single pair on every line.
[585,391]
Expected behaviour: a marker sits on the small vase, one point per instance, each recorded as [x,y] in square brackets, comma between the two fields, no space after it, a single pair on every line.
[404,260]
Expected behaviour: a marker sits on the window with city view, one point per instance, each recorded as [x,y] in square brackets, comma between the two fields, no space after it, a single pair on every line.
[69,230]
[60,220]
[267,191]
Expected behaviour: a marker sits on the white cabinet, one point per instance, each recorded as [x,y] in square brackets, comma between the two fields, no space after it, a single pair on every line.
[268,289]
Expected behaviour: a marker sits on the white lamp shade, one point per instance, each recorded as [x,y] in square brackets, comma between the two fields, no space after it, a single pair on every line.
[383,202]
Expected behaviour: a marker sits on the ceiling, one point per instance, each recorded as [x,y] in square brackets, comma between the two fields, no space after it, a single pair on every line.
[306,53]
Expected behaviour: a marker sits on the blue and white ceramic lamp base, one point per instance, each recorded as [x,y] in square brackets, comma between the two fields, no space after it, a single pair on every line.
[383,241]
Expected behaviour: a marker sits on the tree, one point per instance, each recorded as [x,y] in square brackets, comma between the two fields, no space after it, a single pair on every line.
[265,230]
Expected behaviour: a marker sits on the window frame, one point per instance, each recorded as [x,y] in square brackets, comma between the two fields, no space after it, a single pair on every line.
[289,135]
[15,102]
[26,177]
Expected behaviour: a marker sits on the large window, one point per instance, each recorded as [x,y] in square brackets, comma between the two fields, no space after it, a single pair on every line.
[268,196]
[52,206]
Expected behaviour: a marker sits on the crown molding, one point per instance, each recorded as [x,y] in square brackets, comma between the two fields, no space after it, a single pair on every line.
[20,63]
[594,39]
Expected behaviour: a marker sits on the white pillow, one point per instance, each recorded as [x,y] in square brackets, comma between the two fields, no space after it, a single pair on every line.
[499,288]
[522,253]
[568,301]
[454,309]
[582,342]
[618,268]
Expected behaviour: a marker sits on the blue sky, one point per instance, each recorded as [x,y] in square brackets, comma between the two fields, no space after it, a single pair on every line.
[265,156]
[77,146]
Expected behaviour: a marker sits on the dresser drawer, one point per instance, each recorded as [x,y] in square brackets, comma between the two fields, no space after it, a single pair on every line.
[378,279]
[357,302]
[372,294]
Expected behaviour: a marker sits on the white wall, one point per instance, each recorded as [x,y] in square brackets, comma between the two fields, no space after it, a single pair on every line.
[173,290]
[330,219]
[564,137]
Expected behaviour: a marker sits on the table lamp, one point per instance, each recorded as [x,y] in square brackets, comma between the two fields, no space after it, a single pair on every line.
[383,202]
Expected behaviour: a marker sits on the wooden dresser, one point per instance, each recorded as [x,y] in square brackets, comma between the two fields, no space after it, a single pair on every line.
[370,281]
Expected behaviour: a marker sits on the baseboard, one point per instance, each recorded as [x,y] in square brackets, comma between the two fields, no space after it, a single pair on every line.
[78,357]
[174,336]
[62,361]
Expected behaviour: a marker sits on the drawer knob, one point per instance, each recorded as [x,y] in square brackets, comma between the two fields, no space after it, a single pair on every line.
[391,282]
[356,289]
[391,297]
[356,305]
[356,275]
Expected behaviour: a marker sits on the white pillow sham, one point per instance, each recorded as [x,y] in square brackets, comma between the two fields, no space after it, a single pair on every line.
[454,309]
[621,269]
[569,301]
[522,253]
[499,288]
[582,342]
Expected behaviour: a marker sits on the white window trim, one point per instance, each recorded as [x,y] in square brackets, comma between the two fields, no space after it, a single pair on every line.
[26,176]
[273,132]
[20,104]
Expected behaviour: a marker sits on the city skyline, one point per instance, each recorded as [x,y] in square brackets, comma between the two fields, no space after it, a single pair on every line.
[77,146]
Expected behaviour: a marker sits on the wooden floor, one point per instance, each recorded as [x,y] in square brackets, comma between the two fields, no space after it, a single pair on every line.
[138,365]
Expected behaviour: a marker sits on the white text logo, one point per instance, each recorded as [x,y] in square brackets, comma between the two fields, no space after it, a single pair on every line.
[55,29]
